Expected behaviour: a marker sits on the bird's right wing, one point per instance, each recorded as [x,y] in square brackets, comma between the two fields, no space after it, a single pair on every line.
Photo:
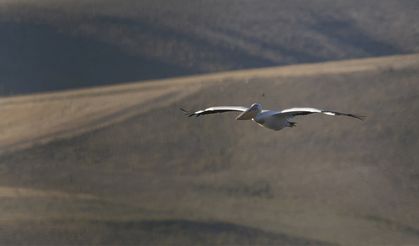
[291,112]
[214,110]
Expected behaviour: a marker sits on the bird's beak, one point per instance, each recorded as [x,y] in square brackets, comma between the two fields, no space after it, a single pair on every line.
[246,115]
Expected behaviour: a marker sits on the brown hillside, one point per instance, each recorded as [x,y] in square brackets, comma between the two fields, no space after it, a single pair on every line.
[152,176]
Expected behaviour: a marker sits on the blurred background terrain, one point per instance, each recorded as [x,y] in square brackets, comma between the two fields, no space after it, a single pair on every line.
[91,42]
[122,164]
[118,163]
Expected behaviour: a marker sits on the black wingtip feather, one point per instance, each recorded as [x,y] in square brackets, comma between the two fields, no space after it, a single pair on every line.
[360,117]
[187,112]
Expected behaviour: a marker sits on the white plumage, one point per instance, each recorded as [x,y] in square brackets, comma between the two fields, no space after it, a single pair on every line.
[275,120]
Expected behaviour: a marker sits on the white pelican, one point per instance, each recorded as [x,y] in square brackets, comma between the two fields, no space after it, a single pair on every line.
[275,120]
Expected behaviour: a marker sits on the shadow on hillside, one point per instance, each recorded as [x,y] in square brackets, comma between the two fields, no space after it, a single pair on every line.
[149,232]
[38,58]
[57,56]
[349,35]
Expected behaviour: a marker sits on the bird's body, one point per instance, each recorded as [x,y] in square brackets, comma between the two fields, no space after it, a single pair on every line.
[275,120]
[268,119]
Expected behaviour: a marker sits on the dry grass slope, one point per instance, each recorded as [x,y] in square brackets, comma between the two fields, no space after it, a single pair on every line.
[155,177]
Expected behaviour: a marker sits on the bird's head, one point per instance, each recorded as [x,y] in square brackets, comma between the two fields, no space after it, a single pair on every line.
[251,112]
[256,107]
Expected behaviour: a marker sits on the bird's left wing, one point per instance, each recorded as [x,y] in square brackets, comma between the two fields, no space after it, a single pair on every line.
[291,112]
[214,110]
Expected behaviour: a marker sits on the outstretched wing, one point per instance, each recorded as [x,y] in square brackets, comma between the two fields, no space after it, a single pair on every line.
[214,110]
[291,112]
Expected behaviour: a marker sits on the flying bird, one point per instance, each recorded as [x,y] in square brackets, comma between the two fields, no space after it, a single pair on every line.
[275,120]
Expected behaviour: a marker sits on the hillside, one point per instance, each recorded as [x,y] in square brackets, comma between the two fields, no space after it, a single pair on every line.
[53,45]
[137,171]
